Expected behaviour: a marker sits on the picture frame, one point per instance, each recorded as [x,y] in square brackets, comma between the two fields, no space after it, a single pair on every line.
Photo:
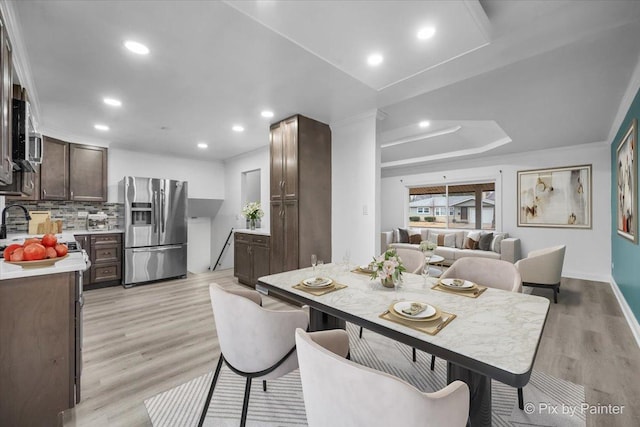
[555,197]
[627,184]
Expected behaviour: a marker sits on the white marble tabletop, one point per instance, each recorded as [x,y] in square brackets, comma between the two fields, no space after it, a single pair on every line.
[500,330]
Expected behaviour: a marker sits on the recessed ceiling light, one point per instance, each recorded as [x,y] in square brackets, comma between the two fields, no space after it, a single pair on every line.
[267,114]
[426,33]
[101,127]
[424,124]
[112,102]
[375,59]
[237,128]
[202,145]
[136,47]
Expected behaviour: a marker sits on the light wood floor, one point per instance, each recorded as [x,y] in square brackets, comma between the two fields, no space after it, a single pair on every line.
[139,342]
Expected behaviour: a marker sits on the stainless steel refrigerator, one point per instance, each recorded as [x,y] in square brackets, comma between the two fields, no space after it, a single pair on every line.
[155,214]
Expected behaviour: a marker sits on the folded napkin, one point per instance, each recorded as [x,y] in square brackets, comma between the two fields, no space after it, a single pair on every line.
[414,308]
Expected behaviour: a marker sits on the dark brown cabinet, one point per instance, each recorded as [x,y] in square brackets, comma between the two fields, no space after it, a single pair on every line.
[105,254]
[87,173]
[25,185]
[73,171]
[300,183]
[54,171]
[40,334]
[6,95]
[251,257]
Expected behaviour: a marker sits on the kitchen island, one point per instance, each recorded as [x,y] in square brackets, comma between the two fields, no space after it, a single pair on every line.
[40,340]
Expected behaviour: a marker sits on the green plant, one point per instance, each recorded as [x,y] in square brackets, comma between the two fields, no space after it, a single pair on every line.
[387,265]
[430,218]
[414,218]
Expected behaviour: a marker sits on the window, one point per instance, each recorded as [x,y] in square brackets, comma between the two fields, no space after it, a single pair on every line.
[467,206]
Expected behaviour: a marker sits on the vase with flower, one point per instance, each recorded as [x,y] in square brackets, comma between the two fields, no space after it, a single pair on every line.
[253,212]
[387,267]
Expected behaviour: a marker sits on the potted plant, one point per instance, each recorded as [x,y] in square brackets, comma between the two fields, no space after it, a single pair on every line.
[252,211]
[387,267]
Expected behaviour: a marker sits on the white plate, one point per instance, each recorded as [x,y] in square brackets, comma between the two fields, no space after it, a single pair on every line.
[450,284]
[366,267]
[317,282]
[402,305]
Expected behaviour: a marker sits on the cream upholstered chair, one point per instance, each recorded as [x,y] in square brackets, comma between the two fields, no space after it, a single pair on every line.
[412,260]
[338,392]
[543,269]
[257,343]
[492,273]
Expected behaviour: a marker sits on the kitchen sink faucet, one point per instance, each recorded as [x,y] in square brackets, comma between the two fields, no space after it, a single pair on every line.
[3,227]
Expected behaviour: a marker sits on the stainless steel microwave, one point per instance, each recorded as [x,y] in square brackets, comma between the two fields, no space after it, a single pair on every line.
[27,143]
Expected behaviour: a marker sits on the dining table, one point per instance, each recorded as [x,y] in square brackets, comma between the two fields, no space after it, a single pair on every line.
[493,335]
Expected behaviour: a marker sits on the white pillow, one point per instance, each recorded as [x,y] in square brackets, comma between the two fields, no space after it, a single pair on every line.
[433,238]
[450,240]
[497,240]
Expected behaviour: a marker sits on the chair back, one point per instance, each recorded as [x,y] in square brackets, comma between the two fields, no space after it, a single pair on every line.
[413,260]
[338,392]
[492,273]
[253,338]
[543,266]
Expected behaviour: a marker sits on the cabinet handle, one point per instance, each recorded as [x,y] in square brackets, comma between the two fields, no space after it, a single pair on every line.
[44,191]
[9,164]
[72,194]
[282,184]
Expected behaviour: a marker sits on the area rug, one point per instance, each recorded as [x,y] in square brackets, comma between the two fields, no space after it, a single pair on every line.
[283,405]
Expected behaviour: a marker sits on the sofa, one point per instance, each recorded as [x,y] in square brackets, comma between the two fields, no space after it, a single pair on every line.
[457,244]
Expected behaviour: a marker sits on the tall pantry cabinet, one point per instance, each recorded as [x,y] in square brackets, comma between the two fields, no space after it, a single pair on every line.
[300,193]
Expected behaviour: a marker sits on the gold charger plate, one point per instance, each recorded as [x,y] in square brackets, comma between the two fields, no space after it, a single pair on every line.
[403,316]
[48,262]
[474,287]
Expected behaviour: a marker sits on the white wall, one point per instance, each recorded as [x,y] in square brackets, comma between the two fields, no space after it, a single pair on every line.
[588,254]
[355,182]
[229,215]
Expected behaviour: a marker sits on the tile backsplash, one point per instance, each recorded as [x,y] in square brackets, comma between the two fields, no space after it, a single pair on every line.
[66,211]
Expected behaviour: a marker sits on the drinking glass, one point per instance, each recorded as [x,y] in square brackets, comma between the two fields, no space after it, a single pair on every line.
[397,286]
[425,269]
[346,258]
[320,267]
[314,261]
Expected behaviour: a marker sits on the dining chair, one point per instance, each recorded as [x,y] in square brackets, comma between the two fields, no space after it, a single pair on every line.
[339,392]
[492,273]
[258,343]
[542,268]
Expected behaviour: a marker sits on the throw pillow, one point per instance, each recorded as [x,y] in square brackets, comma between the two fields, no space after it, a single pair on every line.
[403,235]
[497,240]
[472,240]
[450,240]
[485,242]
[433,238]
[415,239]
[440,240]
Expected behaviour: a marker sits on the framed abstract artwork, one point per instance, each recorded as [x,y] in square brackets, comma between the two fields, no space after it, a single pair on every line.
[627,184]
[558,197]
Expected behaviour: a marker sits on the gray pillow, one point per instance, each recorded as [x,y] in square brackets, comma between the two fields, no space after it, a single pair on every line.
[403,235]
[485,242]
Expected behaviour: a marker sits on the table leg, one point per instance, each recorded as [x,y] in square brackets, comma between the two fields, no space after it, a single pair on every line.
[480,391]
[320,321]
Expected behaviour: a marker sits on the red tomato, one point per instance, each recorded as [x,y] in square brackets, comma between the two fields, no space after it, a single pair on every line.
[49,240]
[30,241]
[18,255]
[10,250]
[34,252]
[51,253]
[61,250]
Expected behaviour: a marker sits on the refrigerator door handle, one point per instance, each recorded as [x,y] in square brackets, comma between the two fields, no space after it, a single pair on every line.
[154,219]
[157,249]
[162,207]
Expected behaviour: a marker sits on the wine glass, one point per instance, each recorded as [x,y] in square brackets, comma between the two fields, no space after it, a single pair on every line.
[320,267]
[397,286]
[314,261]
[346,258]
[425,269]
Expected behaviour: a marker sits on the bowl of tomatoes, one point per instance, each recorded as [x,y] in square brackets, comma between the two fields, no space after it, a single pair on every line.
[36,252]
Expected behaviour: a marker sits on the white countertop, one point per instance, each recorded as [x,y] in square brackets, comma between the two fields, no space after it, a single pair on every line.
[259,231]
[74,262]
[65,236]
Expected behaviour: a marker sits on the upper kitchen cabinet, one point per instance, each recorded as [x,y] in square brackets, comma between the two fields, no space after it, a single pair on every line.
[87,173]
[6,88]
[54,171]
[300,193]
[73,171]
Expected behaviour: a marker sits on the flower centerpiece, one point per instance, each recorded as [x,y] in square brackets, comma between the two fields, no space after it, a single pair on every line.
[387,267]
[252,211]
[427,246]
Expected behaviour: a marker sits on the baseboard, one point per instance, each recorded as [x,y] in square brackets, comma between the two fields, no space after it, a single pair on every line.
[626,310]
[582,276]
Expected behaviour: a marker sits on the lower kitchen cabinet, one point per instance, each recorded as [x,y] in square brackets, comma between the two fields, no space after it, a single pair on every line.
[251,257]
[105,254]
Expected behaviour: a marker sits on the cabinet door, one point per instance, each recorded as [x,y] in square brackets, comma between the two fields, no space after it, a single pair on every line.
[87,173]
[6,88]
[290,235]
[242,259]
[54,171]
[277,237]
[290,158]
[276,153]
[260,262]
